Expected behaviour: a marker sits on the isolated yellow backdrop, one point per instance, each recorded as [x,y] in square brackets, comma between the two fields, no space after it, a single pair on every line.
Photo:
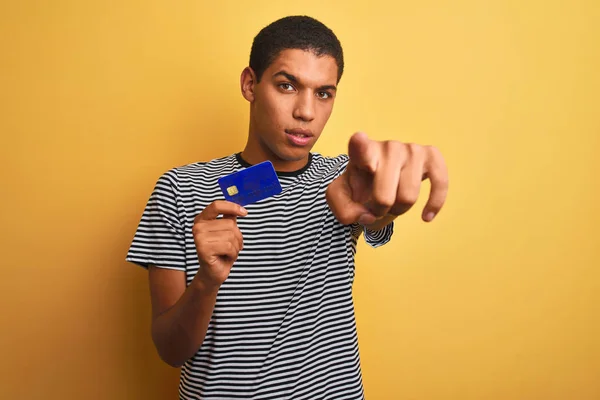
[497,299]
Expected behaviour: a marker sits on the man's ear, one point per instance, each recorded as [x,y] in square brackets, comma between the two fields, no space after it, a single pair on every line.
[247,83]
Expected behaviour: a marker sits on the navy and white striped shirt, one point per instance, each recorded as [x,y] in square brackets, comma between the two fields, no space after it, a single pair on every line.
[283,325]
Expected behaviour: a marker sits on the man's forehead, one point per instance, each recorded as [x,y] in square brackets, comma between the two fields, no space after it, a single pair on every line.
[306,67]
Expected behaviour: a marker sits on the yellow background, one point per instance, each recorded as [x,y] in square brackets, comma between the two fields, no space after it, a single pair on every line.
[497,299]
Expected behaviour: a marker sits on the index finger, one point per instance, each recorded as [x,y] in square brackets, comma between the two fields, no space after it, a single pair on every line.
[363,152]
[221,207]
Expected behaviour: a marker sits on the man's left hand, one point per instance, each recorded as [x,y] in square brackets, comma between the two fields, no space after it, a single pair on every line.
[383,180]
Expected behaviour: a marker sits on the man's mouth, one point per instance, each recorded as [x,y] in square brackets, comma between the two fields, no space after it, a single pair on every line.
[302,133]
[299,137]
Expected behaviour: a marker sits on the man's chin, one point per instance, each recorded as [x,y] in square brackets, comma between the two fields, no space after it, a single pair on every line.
[294,155]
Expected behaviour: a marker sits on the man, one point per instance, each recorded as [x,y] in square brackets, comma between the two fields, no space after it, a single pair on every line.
[256,302]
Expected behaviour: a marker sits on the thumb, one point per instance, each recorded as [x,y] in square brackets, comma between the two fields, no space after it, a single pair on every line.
[345,210]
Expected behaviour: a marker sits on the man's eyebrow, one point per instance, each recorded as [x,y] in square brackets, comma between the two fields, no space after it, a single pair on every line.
[292,78]
[328,87]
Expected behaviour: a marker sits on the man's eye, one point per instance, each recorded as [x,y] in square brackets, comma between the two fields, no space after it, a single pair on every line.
[324,95]
[286,86]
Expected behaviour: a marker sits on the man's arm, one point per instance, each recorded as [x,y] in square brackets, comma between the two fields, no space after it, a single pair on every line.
[180,315]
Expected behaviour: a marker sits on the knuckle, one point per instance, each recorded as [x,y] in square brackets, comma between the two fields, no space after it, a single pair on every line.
[409,196]
[200,247]
[394,147]
[433,152]
[384,199]
[218,205]
[432,149]
[388,144]
[416,149]
[197,227]
[406,151]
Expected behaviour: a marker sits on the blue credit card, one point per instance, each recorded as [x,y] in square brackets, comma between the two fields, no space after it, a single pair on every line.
[251,184]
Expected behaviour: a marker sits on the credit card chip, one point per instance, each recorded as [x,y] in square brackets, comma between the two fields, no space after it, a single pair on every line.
[232,190]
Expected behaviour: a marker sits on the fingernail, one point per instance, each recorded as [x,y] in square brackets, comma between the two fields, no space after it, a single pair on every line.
[243,210]
[430,215]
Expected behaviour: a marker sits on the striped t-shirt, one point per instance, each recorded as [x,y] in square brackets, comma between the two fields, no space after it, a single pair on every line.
[283,325]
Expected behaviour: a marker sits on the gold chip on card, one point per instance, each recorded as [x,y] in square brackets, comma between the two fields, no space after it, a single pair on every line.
[232,190]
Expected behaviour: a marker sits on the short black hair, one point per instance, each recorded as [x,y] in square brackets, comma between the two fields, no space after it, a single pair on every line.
[294,32]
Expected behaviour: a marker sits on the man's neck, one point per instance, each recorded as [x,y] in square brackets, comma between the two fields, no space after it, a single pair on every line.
[255,156]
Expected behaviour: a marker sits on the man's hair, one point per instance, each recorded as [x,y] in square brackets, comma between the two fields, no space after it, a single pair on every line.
[294,32]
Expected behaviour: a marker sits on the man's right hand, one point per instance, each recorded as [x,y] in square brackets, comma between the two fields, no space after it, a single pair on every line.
[218,241]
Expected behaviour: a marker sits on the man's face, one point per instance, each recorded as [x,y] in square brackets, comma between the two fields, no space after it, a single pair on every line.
[292,104]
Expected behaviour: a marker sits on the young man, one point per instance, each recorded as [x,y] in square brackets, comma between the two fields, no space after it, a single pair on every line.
[256,302]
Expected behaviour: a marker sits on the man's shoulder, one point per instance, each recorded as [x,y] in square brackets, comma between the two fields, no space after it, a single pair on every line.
[330,166]
[201,169]
[318,157]
[329,162]
[213,166]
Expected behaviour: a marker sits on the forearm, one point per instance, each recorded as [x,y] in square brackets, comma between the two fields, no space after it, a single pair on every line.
[179,332]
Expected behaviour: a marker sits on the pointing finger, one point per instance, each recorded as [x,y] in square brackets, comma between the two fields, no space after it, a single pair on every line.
[363,152]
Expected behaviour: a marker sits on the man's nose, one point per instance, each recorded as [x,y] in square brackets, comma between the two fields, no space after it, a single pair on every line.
[305,107]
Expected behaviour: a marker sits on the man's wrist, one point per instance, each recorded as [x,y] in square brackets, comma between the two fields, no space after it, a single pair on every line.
[203,285]
[381,223]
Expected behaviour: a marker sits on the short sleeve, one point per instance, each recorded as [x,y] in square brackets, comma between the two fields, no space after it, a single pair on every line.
[159,238]
[380,237]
